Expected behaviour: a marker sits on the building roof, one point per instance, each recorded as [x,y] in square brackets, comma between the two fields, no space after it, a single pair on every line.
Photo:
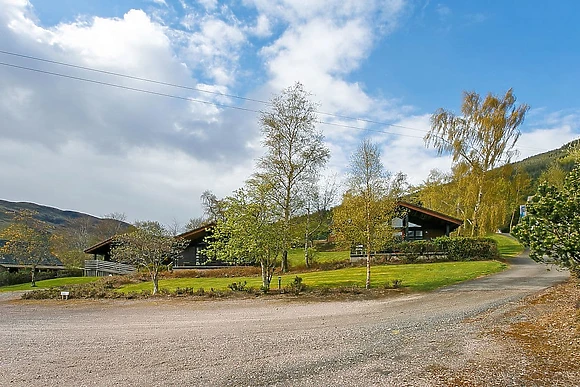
[198,232]
[47,262]
[100,247]
[105,245]
[431,213]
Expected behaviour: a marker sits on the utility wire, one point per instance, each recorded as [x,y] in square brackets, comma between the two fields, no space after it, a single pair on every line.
[196,89]
[180,97]
[132,77]
[126,87]
[199,90]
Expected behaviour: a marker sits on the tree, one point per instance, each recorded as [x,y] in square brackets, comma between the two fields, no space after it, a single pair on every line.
[212,207]
[517,191]
[295,152]
[317,203]
[368,206]
[149,246]
[551,226]
[249,232]
[111,225]
[479,140]
[174,227]
[28,241]
[554,175]
[195,223]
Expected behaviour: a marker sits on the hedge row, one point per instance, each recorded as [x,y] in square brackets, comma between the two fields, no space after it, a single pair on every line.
[442,249]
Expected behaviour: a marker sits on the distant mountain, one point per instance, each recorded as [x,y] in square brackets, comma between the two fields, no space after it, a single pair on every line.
[61,220]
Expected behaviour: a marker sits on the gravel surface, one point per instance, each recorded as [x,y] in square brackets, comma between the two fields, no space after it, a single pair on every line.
[436,338]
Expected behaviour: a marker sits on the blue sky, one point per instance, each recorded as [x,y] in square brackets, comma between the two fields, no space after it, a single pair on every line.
[393,61]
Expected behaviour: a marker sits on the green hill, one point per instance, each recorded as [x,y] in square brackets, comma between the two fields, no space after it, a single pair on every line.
[537,164]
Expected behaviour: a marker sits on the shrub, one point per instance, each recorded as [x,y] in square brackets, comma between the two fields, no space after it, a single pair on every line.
[468,249]
[439,249]
[296,286]
[397,283]
[70,273]
[238,286]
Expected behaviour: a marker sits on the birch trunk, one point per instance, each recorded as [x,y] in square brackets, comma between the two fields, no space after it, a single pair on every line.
[475,217]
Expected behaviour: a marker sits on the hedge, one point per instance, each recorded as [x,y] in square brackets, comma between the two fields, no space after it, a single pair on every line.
[440,249]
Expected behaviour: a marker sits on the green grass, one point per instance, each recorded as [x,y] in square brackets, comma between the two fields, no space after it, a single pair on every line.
[296,257]
[417,277]
[508,247]
[49,283]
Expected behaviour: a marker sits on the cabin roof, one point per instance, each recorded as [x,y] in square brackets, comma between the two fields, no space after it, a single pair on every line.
[105,245]
[431,213]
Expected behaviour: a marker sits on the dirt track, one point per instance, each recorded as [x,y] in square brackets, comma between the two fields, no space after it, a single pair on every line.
[421,339]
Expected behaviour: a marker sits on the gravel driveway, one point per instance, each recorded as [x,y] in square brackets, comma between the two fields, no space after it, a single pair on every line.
[416,340]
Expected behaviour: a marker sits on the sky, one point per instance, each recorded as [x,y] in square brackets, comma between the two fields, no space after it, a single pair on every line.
[95,142]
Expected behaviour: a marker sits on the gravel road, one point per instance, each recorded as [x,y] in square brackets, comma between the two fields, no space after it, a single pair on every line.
[408,340]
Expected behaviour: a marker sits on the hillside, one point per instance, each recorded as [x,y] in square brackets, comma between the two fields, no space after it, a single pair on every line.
[64,222]
[535,165]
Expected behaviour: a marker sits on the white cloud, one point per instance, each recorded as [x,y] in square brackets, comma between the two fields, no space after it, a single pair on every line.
[92,147]
[548,131]
[262,27]
[145,183]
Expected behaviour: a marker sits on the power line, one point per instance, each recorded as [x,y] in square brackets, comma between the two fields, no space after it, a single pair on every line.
[180,97]
[132,77]
[103,83]
[214,93]
[148,80]
[127,87]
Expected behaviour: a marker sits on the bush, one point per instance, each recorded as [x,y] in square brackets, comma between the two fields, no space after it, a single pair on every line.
[238,286]
[440,249]
[468,249]
[296,286]
[70,273]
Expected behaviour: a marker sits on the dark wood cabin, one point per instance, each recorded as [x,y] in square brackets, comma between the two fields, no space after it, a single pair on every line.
[421,223]
[191,258]
[417,223]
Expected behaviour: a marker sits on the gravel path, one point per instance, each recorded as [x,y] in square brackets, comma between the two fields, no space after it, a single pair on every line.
[415,340]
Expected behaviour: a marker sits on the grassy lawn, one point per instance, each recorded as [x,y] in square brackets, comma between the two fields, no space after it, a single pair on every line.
[508,247]
[417,277]
[49,283]
[296,257]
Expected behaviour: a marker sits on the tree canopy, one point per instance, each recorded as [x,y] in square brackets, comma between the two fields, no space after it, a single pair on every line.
[368,206]
[482,138]
[551,227]
[27,240]
[150,246]
[250,231]
[295,153]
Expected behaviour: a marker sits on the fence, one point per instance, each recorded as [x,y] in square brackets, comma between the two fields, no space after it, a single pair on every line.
[96,268]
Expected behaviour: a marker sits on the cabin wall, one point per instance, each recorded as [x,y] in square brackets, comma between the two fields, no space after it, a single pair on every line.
[191,256]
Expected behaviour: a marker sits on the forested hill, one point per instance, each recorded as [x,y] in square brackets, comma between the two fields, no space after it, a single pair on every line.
[535,165]
[61,220]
